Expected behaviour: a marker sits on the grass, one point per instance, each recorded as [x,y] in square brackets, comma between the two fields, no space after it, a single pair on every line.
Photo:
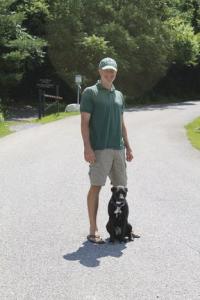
[4,128]
[193,132]
[193,128]
[4,125]
[55,117]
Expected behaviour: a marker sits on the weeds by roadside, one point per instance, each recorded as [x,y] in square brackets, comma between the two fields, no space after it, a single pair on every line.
[8,127]
[193,132]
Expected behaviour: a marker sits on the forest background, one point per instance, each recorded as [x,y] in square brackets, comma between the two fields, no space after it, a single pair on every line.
[155,42]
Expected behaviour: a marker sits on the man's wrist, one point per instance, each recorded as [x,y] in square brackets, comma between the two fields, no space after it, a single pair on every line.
[88,148]
[128,148]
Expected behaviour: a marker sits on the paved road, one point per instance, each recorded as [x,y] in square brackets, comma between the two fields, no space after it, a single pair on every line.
[43,214]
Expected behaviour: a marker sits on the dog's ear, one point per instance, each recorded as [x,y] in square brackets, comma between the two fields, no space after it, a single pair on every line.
[113,189]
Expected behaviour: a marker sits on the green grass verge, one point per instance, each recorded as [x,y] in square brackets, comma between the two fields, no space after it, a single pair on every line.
[4,125]
[55,117]
[193,132]
[4,128]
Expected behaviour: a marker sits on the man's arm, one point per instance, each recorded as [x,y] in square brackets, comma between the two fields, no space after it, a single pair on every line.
[85,131]
[129,152]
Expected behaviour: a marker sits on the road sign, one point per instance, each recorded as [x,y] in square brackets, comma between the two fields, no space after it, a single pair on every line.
[78,79]
[45,83]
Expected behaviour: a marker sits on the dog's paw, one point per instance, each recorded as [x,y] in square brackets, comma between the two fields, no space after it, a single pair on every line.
[135,236]
[126,240]
[122,240]
[112,239]
[131,239]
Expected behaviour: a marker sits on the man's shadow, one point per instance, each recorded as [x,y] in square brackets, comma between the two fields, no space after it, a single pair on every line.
[89,253]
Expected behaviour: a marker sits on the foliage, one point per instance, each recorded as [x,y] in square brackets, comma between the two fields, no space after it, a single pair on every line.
[145,37]
[36,14]
[19,50]
[4,128]
[186,43]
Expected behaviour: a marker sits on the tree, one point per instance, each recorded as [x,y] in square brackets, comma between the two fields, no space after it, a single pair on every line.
[141,35]
[19,50]
[146,37]
[185,42]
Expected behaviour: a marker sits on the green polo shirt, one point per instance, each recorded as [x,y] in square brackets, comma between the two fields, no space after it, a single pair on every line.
[106,108]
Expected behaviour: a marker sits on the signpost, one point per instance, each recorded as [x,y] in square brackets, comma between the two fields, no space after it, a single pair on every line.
[75,107]
[78,81]
[43,85]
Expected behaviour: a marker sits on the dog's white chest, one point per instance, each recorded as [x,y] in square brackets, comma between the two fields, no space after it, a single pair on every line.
[117,211]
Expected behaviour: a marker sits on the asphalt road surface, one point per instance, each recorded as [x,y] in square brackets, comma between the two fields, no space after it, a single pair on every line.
[44,253]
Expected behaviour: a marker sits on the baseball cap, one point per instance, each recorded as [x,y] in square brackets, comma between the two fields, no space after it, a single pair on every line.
[108,63]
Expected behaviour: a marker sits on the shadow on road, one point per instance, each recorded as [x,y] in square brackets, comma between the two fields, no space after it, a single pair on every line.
[22,112]
[89,254]
[176,105]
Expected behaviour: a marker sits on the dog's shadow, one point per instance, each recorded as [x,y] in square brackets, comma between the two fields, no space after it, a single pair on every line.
[89,253]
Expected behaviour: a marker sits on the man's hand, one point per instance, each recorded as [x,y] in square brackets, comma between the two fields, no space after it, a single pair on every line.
[89,155]
[129,154]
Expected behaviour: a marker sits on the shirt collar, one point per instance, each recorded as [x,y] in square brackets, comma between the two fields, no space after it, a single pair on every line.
[100,86]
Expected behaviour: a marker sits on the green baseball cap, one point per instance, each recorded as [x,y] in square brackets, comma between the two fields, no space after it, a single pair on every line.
[108,63]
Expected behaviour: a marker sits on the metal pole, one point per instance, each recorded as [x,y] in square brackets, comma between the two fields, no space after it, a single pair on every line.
[40,104]
[43,103]
[78,94]
[57,94]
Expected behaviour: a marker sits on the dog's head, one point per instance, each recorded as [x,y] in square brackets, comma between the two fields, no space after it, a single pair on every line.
[119,195]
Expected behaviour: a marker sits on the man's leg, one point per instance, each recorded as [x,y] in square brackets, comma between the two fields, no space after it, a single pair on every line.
[118,173]
[98,173]
[93,202]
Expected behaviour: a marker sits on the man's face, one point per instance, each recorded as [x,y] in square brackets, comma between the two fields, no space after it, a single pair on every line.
[108,75]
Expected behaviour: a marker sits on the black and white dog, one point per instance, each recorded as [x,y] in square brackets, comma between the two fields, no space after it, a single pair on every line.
[118,210]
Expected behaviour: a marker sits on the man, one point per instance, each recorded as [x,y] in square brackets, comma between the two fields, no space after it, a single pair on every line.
[105,137]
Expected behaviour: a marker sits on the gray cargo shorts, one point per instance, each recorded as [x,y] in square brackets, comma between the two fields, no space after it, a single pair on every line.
[111,163]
